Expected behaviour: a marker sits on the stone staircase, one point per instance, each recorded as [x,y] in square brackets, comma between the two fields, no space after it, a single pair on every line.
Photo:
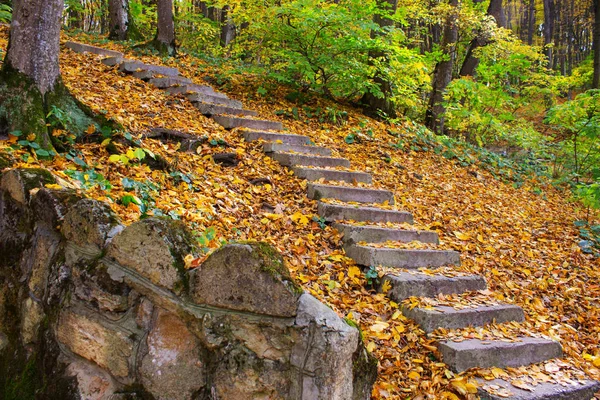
[354,212]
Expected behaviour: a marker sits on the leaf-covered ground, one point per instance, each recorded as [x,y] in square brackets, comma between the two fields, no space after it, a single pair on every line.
[522,240]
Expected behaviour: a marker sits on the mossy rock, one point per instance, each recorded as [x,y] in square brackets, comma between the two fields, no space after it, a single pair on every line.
[249,277]
[155,248]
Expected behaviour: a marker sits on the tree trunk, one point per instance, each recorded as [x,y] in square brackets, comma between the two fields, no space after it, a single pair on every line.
[482,39]
[442,76]
[30,82]
[549,15]
[228,30]
[531,22]
[596,44]
[376,105]
[119,19]
[164,41]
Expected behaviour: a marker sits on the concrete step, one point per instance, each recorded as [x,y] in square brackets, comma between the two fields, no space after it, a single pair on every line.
[131,66]
[450,318]
[86,48]
[470,353]
[251,136]
[237,122]
[377,234]
[298,148]
[291,159]
[113,60]
[401,258]
[542,391]
[202,93]
[215,109]
[336,212]
[163,83]
[314,174]
[318,191]
[144,75]
[404,285]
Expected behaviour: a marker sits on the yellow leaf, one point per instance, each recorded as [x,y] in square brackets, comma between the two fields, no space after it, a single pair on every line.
[353,272]
[379,326]
[53,186]
[449,396]
[414,375]
[462,236]
[371,346]
[386,287]
[31,137]
[91,129]
[460,387]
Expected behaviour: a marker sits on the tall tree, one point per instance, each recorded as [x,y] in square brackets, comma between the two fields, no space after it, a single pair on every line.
[549,18]
[482,39]
[596,41]
[164,41]
[442,75]
[119,19]
[382,103]
[30,81]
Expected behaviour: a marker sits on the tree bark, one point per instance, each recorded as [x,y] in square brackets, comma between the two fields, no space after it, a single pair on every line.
[549,16]
[119,19]
[228,29]
[482,39]
[596,44]
[377,105]
[442,76]
[30,81]
[164,41]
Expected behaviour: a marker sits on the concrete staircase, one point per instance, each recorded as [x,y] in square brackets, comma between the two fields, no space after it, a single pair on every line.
[366,242]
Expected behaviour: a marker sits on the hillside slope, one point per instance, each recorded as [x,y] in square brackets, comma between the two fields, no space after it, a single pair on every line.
[522,240]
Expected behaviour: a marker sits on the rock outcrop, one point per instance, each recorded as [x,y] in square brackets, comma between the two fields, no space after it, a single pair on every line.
[90,309]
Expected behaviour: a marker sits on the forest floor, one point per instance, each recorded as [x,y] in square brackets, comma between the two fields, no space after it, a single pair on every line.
[521,239]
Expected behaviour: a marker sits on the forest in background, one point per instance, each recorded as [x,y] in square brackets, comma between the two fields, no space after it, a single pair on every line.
[517,77]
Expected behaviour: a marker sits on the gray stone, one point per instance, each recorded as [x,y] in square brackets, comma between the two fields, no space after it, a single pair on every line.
[401,258]
[246,277]
[3,342]
[32,316]
[19,183]
[298,148]
[39,258]
[94,285]
[50,206]
[91,382]
[228,122]
[543,391]
[450,318]
[216,109]
[131,66]
[173,368]
[322,377]
[336,212]
[86,48]
[85,335]
[144,75]
[192,89]
[166,82]
[404,285]
[90,225]
[315,174]
[347,193]
[112,61]
[472,353]
[291,159]
[376,234]
[155,248]
[285,138]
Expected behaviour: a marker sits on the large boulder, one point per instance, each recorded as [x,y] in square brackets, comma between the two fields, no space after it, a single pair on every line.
[248,277]
[155,248]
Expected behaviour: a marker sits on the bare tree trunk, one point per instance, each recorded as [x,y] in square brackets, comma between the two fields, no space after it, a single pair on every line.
[228,30]
[531,22]
[119,19]
[434,119]
[383,104]
[549,15]
[164,41]
[482,39]
[596,44]
[30,81]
